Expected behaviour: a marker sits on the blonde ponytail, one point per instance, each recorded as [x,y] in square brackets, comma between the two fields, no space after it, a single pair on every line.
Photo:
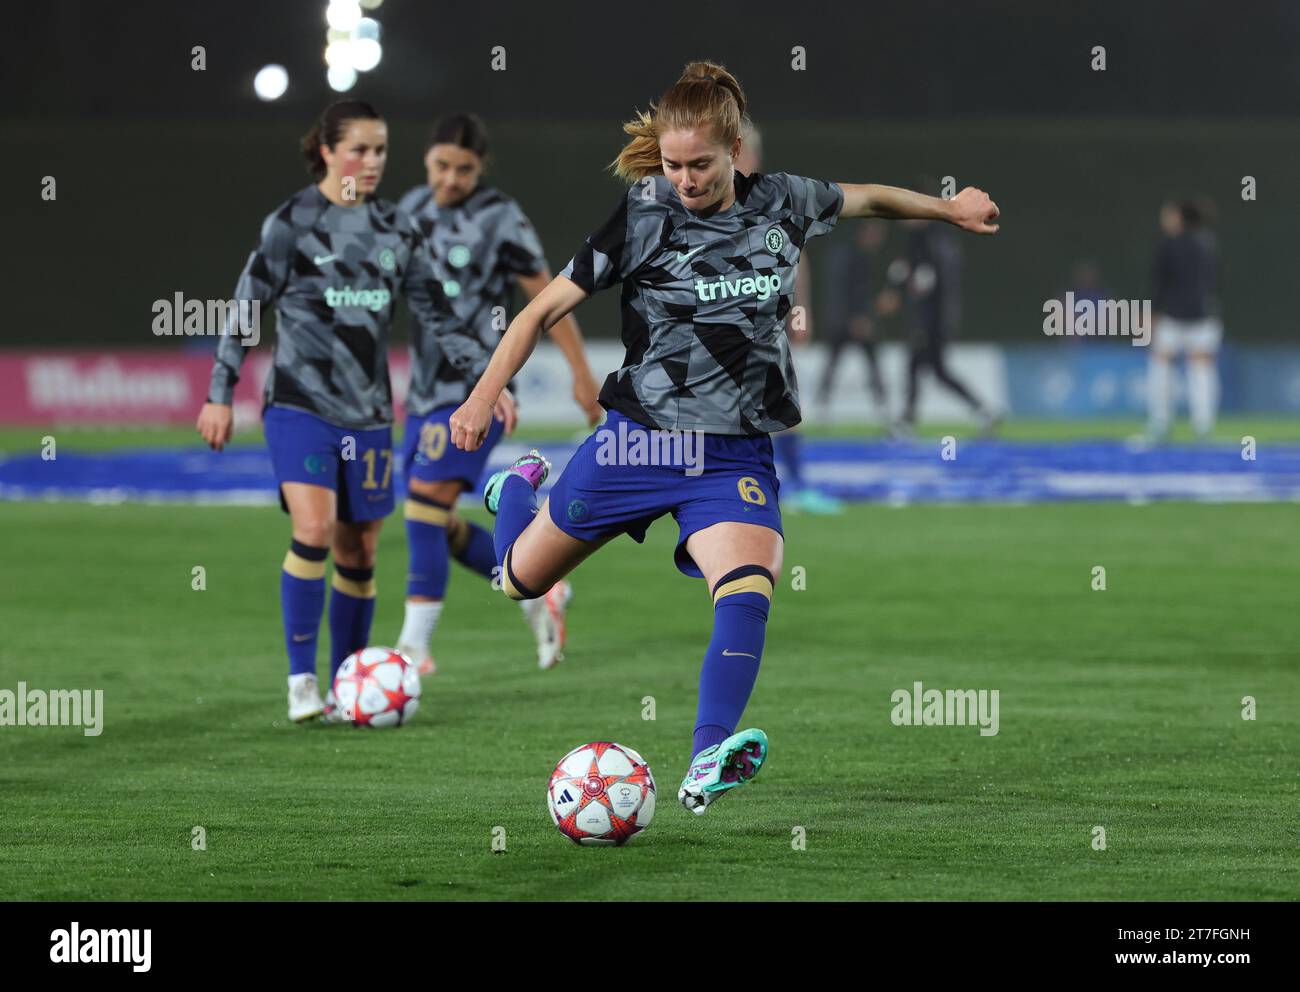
[705,96]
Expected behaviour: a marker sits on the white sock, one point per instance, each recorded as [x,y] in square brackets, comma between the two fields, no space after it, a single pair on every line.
[530,608]
[1202,394]
[1158,395]
[419,625]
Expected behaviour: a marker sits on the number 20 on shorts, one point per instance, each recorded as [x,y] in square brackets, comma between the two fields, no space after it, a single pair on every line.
[433,441]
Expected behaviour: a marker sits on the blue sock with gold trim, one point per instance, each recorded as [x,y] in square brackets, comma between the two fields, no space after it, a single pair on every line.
[352,608]
[741,601]
[426,537]
[515,510]
[302,601]
[472,546]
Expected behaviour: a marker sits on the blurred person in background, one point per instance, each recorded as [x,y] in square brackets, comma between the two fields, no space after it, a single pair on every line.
[789,443]
[928,283]
[1185,314]
[1086,283]
[848,310]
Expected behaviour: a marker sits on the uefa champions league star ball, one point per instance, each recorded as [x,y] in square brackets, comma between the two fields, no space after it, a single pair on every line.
[377,687]
[601,793]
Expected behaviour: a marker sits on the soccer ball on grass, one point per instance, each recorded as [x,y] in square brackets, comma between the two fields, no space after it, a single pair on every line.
[377,687]
[601,793]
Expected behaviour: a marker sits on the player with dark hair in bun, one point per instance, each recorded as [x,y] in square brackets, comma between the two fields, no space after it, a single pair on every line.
[480,245]
[331,260]
[707,259]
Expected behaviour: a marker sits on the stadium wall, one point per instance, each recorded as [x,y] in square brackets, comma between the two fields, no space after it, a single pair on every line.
[167,386]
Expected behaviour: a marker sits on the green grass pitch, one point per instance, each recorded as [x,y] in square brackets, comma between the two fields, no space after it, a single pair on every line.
[1119,708]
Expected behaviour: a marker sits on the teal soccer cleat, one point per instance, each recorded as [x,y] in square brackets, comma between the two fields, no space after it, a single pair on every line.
[533,468]
[724,766]
[817,502]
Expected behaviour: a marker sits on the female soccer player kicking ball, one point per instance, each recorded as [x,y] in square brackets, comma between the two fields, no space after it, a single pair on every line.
[707,258]
[331,259]
[479,244]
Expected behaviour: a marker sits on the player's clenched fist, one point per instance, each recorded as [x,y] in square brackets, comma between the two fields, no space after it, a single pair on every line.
[470,423]
[973,210]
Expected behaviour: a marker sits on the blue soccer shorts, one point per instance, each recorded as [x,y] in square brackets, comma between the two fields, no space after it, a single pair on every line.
[429,455]
[356,464]
[617,483]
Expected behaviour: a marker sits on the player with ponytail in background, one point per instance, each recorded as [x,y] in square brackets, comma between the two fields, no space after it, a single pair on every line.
[331,260]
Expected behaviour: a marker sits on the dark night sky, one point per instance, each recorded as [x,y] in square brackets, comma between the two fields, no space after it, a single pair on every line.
[584,60]
[176,168]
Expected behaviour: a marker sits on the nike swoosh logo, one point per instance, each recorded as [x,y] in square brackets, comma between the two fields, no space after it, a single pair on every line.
[322,259]
[301,638]
[738,654]
[683,257]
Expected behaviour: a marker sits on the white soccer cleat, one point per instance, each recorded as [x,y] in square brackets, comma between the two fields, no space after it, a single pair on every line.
[332,713]
[304,698]
[422,660]
[545,616]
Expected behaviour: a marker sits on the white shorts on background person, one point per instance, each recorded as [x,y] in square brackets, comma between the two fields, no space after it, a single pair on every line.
[1173,337]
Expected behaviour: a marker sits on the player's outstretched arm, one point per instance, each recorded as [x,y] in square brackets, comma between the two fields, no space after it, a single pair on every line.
[971,209]
[470,423]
